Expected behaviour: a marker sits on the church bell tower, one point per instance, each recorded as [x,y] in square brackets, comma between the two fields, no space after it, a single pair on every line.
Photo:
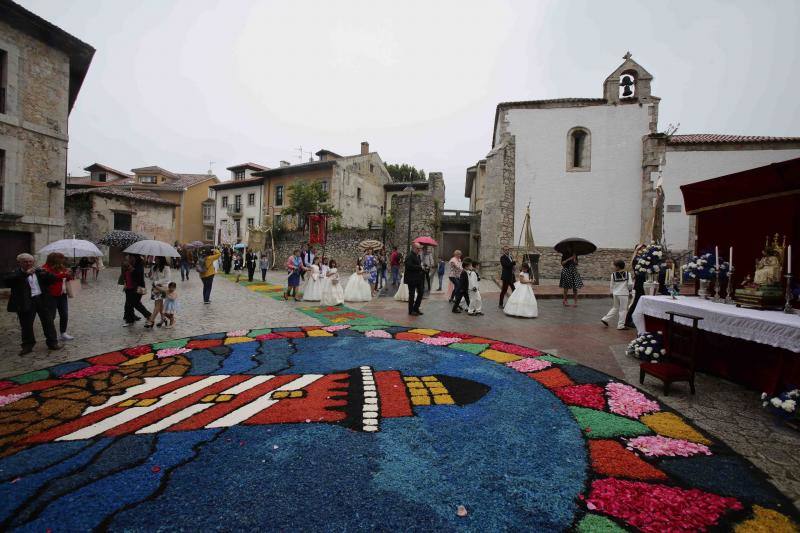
[628,84]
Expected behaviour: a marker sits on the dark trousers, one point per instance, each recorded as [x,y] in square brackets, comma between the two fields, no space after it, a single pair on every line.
[632,308]
[426,280]
[184,270]
[134,301]
[441,278]
[395,275]
[506,285]
[263,274]
[39,306]
[460,293]
[454,281]
[251,270]
[208,281]
[415,290]
[60,304]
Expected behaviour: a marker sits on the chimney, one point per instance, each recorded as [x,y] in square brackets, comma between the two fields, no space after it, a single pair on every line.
[364,148]
[285,164]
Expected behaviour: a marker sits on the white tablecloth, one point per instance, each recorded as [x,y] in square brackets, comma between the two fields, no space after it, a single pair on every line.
[773,328]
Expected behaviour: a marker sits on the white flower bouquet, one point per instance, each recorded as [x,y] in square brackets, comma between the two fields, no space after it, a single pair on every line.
[703,266]
[648,347]
[784,406]
[650,260]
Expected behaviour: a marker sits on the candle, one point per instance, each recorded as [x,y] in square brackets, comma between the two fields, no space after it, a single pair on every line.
[730,258]
[716,256]
[789,267]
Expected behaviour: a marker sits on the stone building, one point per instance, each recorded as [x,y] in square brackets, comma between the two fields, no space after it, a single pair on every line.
[42,68]
[354,184]
[91,212]
[426,201]
[588,168]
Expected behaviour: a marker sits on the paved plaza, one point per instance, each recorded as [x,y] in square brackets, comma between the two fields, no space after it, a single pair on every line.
[248,332]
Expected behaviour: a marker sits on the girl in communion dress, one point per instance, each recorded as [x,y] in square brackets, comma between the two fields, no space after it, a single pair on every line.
[312,290]
[332,292]
[357,290]
[522,301]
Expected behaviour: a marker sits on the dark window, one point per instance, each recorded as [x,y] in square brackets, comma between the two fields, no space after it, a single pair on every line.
[325,186]
[279,195]
[2,177]
[578,149]
[358,193]
[251,222]
[224,201]
[238,175]
[238,228]
[123,221]
[147,179]
[237,202]
[371,168]
[209,234]
[278,220]
[101,176]
[3,79]
[251,199]
[579,138]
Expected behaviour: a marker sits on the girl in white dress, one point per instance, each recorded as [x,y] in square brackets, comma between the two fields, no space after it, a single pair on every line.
[522,301]
[357,290]
[312,290]
[402,291]
[332,292]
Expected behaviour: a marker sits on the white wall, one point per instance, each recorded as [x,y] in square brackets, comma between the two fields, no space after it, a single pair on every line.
[602,205]
[248,211]
[684,167]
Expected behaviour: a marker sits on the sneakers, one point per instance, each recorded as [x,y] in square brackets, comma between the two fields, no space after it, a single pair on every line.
[604,322]
[621,328]
[127,324]
[66,337]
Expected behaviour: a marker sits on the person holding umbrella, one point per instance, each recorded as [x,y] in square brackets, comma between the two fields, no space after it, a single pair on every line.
[413,277]
[56,265]
[134,287]
[570,249]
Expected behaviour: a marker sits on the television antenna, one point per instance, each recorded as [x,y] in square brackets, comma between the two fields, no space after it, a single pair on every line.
[211,167]
[302,152]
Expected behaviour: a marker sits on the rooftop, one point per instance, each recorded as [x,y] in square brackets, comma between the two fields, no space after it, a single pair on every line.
[115,192]
[717,138]
[252,166]
[97,166]
[175,182]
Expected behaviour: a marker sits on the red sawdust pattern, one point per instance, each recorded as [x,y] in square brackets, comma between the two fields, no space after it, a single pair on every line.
[292,334]
[111,358]
[325,393]
[392,392]
[586,395]
[204,343]
[405,336]
[610,458]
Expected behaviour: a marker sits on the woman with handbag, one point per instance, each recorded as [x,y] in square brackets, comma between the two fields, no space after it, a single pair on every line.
[135,288]
[56,265]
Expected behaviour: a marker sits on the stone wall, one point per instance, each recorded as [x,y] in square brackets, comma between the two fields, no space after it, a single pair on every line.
[497,216]
[342,246]
[425,215]
[596,266]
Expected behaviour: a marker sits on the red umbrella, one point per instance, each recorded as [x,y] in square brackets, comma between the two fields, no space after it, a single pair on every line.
[426,241]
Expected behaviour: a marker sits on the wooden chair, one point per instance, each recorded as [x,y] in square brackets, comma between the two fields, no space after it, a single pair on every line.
[679,362]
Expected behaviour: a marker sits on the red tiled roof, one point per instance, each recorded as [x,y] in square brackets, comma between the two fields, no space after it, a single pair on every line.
[98,166]
[142,196]
[153,169]
[236,184]
[706,138]
[175,182]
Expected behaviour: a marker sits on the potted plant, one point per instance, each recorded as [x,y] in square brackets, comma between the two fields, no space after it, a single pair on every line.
[703,268]
[647,347]
[650,261]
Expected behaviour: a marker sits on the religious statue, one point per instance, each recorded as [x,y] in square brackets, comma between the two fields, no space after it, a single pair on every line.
[763,290]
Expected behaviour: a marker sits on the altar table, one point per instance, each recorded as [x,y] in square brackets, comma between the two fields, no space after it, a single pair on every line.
[758,349]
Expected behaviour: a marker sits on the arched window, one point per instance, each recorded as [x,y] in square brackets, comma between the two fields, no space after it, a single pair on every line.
[579,149]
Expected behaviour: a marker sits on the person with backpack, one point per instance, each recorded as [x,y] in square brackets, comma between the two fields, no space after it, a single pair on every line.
[205,267]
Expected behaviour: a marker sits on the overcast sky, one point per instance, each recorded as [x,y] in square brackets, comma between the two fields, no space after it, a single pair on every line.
[179,84]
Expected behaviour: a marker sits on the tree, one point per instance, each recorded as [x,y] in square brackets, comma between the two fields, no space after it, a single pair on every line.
[305,198]
[405,172]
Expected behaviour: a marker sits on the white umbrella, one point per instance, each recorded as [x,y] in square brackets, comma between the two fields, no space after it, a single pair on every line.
[151,247]
[72,248]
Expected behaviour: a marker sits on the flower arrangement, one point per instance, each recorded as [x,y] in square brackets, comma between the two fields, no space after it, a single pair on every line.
[784,405]
[703,266]
[647,347]
[650,260]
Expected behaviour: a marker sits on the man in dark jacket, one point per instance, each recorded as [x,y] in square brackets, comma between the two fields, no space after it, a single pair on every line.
[414,278]
[462,289]
[507,264]
[251,259]
[227,259]
[30,297]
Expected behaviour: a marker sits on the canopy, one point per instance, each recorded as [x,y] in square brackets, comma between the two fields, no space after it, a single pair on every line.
[370,244]
[72,248]
[426,241]
[151,247]
[120,238]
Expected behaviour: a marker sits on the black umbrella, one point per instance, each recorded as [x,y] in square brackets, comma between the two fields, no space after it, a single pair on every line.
[576,246]
[121,239]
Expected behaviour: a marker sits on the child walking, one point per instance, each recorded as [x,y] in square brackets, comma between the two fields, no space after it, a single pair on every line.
[474,290]
[440,272]
[171,304]
[462,290]
[620,285]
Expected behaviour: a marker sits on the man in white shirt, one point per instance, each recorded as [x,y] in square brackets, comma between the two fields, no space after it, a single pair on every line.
[29,298]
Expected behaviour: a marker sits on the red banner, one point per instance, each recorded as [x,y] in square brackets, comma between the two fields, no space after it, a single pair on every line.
[316,229]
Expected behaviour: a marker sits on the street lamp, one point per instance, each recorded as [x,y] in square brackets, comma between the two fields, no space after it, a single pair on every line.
[410,191]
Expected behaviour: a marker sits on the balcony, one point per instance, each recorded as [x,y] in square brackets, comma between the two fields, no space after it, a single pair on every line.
[235,211]
[208,220]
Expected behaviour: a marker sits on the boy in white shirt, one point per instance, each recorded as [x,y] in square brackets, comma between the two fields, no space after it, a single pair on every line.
[474,290]
[620,285]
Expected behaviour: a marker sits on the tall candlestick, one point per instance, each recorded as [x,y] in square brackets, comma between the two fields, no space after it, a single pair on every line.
[716,256]
[789,266]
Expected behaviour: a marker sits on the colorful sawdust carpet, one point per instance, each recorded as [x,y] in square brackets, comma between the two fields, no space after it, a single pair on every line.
[350,426]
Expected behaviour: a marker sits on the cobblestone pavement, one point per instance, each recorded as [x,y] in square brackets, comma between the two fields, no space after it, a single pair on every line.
[95,320]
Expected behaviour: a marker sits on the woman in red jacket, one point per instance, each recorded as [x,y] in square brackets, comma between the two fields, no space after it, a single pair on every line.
[56,265]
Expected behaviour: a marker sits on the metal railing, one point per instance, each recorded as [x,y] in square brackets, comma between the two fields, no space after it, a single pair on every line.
[459,213]
[235,210]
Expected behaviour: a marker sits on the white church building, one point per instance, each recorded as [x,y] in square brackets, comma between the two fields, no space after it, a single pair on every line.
[588,168]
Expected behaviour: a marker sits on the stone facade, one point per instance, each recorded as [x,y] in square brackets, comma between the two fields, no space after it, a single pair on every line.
[38,87]
[91,216]
[342,246]
[497,215]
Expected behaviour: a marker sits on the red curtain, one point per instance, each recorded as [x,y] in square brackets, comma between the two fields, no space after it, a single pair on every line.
[316,229]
